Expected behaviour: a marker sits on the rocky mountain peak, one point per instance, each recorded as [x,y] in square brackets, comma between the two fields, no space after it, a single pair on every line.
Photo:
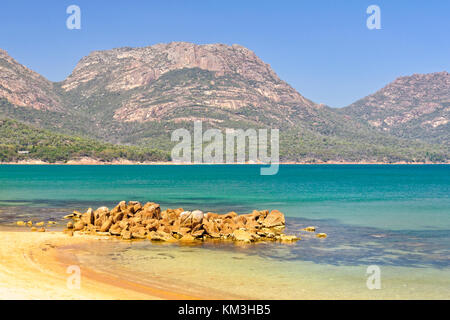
[161,78]
[134,67]
[24,87]
[409,106]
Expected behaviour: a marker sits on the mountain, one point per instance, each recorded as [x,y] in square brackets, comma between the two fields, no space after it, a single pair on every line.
[413,107]
[183,82]
[138,96]
[25,88]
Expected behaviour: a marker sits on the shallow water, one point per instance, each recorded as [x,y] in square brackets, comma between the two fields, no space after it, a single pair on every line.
[332,268]
[395,217]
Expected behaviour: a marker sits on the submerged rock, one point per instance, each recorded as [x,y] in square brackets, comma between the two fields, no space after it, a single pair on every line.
[287,238]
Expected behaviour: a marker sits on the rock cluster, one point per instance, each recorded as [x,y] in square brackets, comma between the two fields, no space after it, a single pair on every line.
[38,224]
[133,220]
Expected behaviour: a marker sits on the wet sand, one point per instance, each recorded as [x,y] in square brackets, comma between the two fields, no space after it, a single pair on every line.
[31,267]
[34,266]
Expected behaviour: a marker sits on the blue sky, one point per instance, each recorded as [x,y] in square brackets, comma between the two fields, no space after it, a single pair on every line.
[322,48]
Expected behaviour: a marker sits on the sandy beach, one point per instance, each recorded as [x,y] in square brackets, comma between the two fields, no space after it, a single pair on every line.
[30,268]
[92,161]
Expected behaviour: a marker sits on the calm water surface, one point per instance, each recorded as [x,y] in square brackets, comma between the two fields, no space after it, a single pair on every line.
[396,217]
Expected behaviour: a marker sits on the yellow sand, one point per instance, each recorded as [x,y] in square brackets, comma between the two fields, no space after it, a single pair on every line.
[29,270]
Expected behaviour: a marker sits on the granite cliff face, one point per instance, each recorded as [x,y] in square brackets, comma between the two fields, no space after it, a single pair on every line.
[183,81]
[23,87]
[416,107]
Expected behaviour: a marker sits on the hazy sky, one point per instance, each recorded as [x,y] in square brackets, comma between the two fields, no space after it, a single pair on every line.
[322,48]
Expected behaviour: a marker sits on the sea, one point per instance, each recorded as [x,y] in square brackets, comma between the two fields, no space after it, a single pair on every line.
[387,226]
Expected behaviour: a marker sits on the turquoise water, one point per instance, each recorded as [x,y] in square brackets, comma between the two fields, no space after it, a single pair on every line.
[391,197]
[397,217]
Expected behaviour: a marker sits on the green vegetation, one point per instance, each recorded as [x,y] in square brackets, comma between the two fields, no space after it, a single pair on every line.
[306,134]
[40,144]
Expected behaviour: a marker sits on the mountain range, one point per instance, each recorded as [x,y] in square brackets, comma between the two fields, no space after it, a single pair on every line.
[135,97]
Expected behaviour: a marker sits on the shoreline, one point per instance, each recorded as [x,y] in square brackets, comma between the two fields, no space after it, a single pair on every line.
[170,163]
[34,266]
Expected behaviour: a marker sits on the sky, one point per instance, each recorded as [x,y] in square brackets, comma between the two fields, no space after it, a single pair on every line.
[322,48]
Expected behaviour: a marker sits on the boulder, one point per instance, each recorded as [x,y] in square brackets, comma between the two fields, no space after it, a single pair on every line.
[211,215]
[187,238]
[118,217]
[33,229]
[70,225]
[88,217]
[74,215]
[211,228]
[239,223]
[164,229]
[252,225]
[135,221]
[99,221]
[226,229]
[41,230]
[115,230]
[21,223]
[230,214]
[152,224]
[321,235]
[126,234]
[160,236]
[124,224]
[198,233]
[122,205]
[241,235]
[106,225]
[40,224]
[137,207]
[309,229]
[138,232]
[152,210]
[170,214]
[186,219]
[101,210]
[267,233]
[260,215]
[197,217]
[30,223]
[79,225]
[274,219]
